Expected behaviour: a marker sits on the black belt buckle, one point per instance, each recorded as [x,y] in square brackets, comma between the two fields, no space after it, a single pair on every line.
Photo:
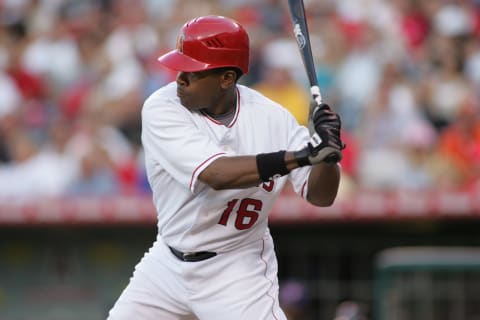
[192,256]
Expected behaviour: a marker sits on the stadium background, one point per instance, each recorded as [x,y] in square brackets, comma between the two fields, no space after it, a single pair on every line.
[75,209]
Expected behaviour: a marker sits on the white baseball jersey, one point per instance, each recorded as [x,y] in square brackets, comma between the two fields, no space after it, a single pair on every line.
[239,284]
[180,143]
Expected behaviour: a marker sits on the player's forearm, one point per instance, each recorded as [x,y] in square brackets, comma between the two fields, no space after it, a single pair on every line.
[323,184]
[238,172]
[231,173]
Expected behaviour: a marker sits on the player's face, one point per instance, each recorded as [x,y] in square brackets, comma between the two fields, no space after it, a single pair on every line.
[199,90]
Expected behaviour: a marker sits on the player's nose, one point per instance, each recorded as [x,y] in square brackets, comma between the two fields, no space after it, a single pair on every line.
[182,79]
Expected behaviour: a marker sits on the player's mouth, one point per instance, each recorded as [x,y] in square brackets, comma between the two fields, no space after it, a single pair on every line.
[179,93]
[183,98]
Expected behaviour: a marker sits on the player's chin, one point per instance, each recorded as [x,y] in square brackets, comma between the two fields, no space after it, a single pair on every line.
[188,103]
[184,101]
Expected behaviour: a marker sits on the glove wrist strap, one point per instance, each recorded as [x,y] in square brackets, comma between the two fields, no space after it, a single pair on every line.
[270,165]
[302,156]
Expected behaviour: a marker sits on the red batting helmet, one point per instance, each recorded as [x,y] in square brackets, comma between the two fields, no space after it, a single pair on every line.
[209,42]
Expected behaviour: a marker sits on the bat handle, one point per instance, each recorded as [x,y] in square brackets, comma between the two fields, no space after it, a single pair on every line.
[317,96]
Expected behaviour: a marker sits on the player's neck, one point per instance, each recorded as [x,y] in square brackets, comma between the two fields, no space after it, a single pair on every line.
[225,118]
[225,107]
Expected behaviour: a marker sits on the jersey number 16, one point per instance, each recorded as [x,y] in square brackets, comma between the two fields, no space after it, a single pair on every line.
[247,212]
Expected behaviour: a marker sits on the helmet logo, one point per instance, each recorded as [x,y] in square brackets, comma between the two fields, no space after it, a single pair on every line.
[180,39]
[214,43]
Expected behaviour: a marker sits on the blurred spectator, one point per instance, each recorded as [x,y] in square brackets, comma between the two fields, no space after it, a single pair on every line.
[358,75]
[472,62]
[453,19]
[281,58]
[387,120]
[349,180]
[103,149]
[32,171]
[460,145]
[56,42]
[328,47]
[446,87]
[10,97]
[96,175]
[414,24]
[418,143]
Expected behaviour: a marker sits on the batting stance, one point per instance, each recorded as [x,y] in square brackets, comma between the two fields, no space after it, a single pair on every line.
[217,156]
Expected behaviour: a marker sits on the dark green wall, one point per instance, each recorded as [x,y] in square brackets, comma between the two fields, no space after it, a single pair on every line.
[71,273]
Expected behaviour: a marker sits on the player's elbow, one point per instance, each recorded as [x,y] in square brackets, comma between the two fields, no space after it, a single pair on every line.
[218,185]
[322,203]
[322,200]
[215,180]
[323,185]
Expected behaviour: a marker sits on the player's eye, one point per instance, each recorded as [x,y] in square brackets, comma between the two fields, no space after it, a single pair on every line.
[197,75]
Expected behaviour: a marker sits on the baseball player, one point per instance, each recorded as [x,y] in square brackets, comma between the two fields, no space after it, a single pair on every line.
[217,156]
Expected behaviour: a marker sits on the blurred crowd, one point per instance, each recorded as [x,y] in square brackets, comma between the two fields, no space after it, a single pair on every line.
[403,74]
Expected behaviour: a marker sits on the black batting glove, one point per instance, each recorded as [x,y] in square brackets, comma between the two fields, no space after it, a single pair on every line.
[328,125]
[325,144]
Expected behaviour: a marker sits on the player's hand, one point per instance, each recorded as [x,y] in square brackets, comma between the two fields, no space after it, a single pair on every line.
[325,144]
[328,125]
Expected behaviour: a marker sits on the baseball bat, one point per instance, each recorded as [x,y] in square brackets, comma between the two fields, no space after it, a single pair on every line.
[300,30]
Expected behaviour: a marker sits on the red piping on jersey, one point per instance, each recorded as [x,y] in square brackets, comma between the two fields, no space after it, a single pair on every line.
[237,112]
[303,189]
[266,267]
[201,164]
[235,117]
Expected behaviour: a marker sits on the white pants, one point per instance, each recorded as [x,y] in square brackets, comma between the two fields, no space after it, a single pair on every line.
[238,285]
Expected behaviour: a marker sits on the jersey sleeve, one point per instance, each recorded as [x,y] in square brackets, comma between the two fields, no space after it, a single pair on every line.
[172,140]
[298,139]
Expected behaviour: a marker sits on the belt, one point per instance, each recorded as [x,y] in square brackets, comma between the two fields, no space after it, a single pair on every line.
[192,256]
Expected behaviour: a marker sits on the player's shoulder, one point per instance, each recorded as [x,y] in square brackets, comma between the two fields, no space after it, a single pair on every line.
[162,105]
[257,101]
[162,97]
[253,97]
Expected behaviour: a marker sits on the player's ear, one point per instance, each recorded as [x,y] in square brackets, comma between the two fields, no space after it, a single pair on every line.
[229,77]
